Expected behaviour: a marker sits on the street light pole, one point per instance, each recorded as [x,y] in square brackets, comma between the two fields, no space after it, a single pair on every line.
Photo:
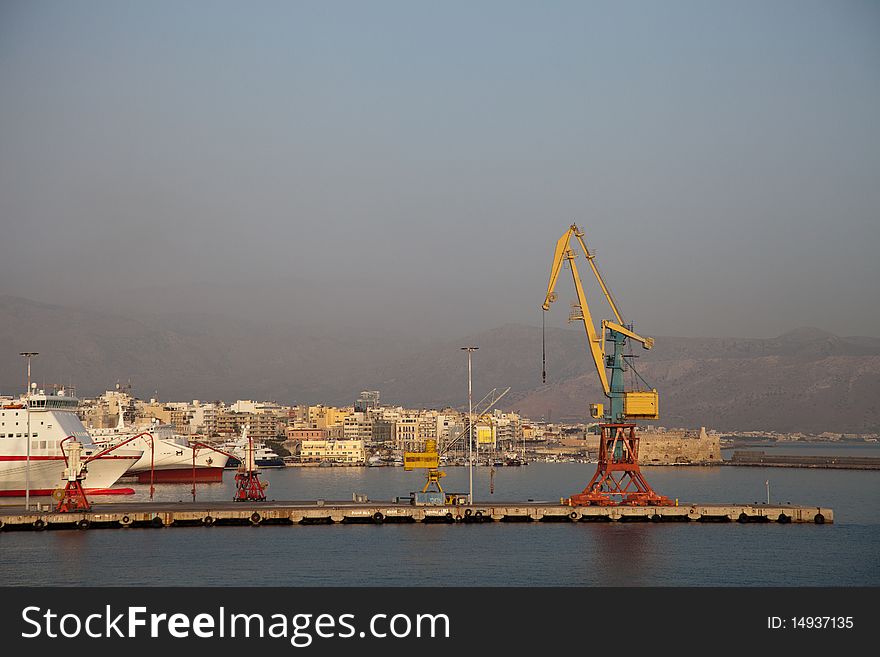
[767,483]
[470,350]
[27,467]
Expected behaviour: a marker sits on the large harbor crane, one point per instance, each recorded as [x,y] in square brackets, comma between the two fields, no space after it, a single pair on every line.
[618,479]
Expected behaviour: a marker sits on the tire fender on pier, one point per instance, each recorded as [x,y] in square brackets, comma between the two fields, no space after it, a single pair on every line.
[256,519]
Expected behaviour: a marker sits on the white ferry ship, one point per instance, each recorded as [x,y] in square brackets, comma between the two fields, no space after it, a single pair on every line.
[172,460]
[52,419]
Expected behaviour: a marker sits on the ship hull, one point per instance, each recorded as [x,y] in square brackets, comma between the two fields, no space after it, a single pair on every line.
[46,492]
[233,463]
[181,476]
[47,474]
[171,461]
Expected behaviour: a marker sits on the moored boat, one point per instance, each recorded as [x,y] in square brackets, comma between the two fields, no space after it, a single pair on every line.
[46,420]
[167,457]
[264,457]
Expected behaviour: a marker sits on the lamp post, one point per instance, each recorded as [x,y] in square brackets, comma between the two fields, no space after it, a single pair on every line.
[27,467]
[767,483]
[470,350]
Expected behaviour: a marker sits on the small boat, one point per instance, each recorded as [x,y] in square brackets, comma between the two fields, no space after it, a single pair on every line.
[263,456]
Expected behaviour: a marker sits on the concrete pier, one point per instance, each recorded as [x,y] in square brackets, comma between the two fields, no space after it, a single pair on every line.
[207,514]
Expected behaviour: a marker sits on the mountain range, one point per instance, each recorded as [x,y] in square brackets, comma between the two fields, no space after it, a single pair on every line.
[805,380]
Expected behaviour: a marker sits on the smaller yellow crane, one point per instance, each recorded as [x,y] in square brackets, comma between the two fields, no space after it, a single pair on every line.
[430,461]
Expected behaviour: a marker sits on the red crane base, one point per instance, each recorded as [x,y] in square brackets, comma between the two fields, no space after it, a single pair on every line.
[73,499]
[618,481]
[249,488]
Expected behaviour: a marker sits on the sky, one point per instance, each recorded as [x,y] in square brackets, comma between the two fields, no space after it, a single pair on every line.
[409,166]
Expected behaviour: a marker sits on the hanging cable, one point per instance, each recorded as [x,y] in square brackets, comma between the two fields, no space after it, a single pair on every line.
[632,368]
[543,350]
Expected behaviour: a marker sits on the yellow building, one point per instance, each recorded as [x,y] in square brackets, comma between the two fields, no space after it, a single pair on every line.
[324,417]
[350,452]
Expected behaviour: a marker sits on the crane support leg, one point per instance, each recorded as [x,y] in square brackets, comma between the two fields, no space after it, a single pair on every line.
[248,487]
[73,498]
[618,480]
[433,478]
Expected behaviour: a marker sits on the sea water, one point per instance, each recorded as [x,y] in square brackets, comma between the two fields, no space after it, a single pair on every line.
[846,553]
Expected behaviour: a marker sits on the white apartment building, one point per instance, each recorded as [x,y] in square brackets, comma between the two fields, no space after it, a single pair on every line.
[250,406]
[357,426]
[204,417]
[405,433]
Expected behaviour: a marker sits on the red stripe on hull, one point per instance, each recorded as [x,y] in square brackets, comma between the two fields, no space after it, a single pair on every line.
[46,492]
[182,476]
[61,458]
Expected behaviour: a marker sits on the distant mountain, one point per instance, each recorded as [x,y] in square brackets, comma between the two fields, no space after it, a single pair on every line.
[177,357]
[805,380]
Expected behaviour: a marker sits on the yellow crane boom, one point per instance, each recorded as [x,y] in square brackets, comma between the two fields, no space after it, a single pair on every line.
[639,406]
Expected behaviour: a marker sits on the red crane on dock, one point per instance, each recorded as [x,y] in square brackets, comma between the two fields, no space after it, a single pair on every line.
[248,486]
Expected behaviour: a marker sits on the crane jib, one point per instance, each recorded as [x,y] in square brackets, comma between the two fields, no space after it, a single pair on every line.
[623,404]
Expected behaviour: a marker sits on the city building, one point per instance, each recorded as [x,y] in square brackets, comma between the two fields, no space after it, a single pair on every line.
[349,452]
[298,435]
[357,426]
[369,399]
[405,432]
[383,433]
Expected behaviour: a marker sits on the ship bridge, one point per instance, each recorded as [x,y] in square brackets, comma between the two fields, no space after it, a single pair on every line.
[58,401]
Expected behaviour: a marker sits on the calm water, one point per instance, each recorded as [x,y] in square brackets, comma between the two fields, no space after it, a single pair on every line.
[846,553]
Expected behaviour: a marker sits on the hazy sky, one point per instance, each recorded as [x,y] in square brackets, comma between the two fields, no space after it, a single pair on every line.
[372,164]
